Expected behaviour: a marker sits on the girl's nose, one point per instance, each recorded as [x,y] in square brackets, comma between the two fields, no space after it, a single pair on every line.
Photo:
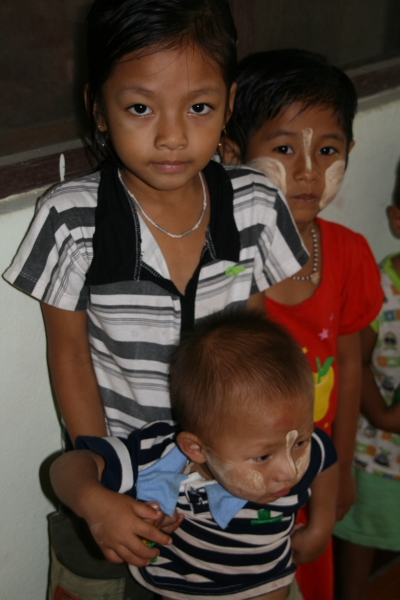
[171,133]
[305,169]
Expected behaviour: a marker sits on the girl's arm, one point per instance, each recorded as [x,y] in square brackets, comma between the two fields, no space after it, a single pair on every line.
[345,424]
[256,302]
[116,521]
[310,541]
[72,372]
[373,406]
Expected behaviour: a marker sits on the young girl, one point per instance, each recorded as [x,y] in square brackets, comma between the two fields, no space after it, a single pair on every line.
[126,259]
[373,522]
[293,120]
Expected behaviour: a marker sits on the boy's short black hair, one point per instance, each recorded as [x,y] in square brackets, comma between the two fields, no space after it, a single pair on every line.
[235,361]
[268,82]
[116,28]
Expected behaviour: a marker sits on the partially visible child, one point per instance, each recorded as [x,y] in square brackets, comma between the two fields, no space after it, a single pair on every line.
[373,522]
[242,460]
[293,120]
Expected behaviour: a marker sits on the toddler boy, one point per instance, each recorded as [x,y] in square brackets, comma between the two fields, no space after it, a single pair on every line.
[241,461]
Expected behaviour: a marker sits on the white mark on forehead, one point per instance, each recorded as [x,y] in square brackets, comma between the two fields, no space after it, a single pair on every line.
[333,180]
[272,168]
[307,138]
[291,437]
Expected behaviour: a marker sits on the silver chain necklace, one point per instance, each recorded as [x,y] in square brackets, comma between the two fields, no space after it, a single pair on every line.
[173,235]
[315,276]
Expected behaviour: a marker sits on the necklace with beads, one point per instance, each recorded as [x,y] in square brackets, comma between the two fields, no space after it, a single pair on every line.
[150,220]
[315,276]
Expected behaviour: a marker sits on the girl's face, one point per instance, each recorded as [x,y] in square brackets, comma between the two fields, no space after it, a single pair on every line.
[304,152]
[164,112]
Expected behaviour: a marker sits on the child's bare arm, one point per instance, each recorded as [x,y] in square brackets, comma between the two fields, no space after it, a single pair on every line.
[257,302]
[373,406]
[116,521]
[309,542]
[345,424]
[72,372]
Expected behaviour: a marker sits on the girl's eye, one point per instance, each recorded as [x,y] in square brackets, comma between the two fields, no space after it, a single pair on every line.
[140,109]
[328,151]
[200,109]
[284,150]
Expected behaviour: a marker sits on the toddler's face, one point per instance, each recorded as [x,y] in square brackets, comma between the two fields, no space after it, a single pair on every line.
[304,153]
[261,457]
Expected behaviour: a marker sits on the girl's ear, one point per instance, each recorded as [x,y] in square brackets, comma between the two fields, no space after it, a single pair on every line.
[394,218]
[231,100]
[229,151]
[191,446]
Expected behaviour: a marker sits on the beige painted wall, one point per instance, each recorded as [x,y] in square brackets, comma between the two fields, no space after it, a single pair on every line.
[29,427]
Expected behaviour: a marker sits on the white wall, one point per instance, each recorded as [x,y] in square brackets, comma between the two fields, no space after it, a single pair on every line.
[371,173]
[29,427]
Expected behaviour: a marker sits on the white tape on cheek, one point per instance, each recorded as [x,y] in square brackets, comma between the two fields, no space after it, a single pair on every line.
[333,180]
[272,168]
[291,437]
[307,137]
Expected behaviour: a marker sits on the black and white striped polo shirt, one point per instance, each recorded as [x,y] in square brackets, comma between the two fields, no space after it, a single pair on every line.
[89,249]
[248,556]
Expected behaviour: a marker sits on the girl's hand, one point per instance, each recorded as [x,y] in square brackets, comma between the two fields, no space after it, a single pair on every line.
[119,524]
[165,523]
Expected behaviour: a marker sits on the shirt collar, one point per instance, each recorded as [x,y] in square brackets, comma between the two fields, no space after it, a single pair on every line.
[117,237]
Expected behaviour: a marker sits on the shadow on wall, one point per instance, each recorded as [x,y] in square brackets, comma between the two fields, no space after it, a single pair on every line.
[44,478]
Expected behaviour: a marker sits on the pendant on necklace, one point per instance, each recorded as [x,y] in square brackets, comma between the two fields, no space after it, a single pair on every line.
[315,278]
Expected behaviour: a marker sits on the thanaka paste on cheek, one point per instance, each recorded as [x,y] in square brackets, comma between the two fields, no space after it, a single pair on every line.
[307,137]
[272,168]
[291,437]
[333,180]
[239,481]
[303,462]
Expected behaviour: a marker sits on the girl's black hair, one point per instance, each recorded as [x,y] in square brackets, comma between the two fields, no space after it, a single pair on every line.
[116,28]
[269,82]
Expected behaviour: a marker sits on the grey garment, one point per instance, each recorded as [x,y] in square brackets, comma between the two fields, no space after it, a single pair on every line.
[294,592]
[79,567]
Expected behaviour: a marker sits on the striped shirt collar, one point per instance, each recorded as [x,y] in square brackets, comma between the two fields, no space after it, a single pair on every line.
[117,251]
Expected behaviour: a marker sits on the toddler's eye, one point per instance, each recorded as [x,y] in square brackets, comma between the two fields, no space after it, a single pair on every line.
[327,151]
[261,459]
[140,109]
[200,109]
[302,444]
[284,150]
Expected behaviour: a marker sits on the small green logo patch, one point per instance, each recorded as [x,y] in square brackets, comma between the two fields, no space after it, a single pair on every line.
[234,271]
[264,516]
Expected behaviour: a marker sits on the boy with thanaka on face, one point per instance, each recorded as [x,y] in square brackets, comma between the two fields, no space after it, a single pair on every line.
[293,120]
[242,460]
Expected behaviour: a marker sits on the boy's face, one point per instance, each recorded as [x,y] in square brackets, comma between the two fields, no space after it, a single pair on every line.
[305,154]
[260,457]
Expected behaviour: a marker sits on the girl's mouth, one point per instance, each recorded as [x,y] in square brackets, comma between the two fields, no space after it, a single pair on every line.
[170,166]
[305,198]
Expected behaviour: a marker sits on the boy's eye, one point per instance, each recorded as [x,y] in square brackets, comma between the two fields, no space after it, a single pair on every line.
[302,444]
[140,109]
[284,150]
[261,459]
[200,109]
[328,150]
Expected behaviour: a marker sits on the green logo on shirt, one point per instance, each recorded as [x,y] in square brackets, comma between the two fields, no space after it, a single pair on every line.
[234,271]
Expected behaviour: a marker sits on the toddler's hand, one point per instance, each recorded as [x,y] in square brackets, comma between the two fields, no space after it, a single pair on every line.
[166,523]
[307,544]
[118,523]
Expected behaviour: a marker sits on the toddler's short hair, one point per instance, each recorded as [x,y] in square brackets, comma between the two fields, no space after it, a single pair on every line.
[231,360]
[268,82]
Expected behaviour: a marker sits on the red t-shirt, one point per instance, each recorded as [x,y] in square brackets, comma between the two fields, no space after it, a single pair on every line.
[348,298]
